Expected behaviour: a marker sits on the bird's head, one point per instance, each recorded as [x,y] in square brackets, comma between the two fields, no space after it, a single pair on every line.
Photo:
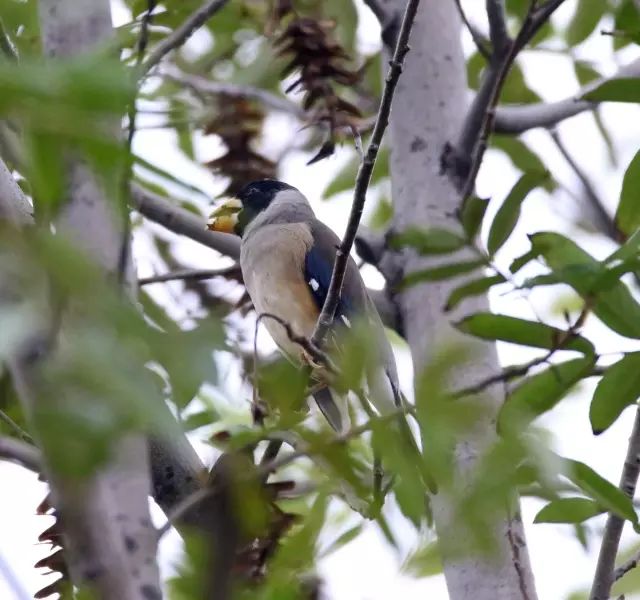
[257,199]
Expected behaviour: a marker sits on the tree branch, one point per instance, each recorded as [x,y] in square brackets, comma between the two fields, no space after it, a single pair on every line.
[500,40]
[603,220]
[518,119]
[604,576]
[180,35]
[478,39]
[182,222]
[205,87]
[189,275]
[364,176]
[20,452]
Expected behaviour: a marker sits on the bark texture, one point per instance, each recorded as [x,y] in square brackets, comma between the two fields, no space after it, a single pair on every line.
[110,542]
[428,111]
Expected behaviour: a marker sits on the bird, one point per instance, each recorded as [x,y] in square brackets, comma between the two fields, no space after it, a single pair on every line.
[286,258]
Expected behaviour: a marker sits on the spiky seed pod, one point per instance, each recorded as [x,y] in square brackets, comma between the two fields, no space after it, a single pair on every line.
[321,65]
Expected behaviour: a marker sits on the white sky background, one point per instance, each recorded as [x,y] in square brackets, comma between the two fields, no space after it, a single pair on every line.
[367,568]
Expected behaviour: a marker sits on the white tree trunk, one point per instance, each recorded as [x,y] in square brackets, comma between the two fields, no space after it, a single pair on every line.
[428,110]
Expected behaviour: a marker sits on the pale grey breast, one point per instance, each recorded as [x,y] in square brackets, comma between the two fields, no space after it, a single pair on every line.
[272,258]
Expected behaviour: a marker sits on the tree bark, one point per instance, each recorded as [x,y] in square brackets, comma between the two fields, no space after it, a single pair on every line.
[110,542]
[428,112]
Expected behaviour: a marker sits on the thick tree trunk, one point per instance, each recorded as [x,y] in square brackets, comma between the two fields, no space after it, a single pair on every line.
[428,109]
[110,542]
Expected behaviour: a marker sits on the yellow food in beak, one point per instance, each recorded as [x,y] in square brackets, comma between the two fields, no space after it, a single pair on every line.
[225,217]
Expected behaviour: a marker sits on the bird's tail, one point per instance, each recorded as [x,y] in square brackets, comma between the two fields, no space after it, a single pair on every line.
[331,408]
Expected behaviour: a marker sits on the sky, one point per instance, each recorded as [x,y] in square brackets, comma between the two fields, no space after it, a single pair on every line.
[367,569]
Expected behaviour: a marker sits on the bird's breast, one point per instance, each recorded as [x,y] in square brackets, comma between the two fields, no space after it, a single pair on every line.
[272,261]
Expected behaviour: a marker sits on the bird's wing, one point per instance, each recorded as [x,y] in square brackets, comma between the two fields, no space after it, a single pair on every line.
[354,303]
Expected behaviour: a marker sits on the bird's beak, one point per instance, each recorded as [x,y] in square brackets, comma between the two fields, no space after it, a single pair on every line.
[225,218]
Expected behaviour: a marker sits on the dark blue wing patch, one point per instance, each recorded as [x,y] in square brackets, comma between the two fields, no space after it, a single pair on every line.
[317,272]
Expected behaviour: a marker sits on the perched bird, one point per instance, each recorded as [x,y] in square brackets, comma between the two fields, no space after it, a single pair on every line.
[287,257]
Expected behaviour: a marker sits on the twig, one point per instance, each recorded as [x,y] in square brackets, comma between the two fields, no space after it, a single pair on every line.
[604,576]
[189,275]
[478,125]
[181,34]
[518,119]
[13,425]
[478,38]
[21,452]
[604,220]
[625,567]
[181,221]
[205,87]
[388,21]
[132,114]
[308,345]
[364,176]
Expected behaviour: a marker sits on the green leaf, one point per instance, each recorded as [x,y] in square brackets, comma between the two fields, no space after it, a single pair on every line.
[472,215]
[602,491]
[441,272]
[428,241]
[522,157]
[623,89]
[615,306]
[489,326]
[618,388]
[628,212]
[627,20]
[424,562]
[342,540]
[344,179]
[508,214]
[568,510]
[585,19]
[541,392]
[473,288]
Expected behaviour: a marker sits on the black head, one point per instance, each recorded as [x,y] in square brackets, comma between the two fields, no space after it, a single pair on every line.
[256,197]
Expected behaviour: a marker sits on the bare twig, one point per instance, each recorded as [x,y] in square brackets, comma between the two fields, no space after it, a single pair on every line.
[604,221]
[478,125]
[517,119]
[625,567]
[388,21]
[364,176]
[180,35]
[189,275]
[308,345]
[132,114]
[478,39]
[24,454]
[604,576]
[204,87]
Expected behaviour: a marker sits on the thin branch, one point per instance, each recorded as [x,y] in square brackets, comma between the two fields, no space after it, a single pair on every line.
[24,454]
[205,87]
[21,433]
[189,275]
[478,125]
[388,21]
[604,576]
[518,119]
[180,35]
[478,39]
[605,223]
[364,176]
[500,40]
[625,567]
[183,222]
